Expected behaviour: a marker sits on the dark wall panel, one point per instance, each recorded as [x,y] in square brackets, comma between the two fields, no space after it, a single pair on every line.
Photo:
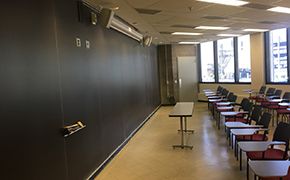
[32,146]
[112,87]
[47,82]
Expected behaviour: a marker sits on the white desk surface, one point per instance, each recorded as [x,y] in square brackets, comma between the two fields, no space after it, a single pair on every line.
[223,103]
[250,146]
[233,113]
[275,100]
[270,168]
[225,107]
[284,104]
[182,109]
[240,125]
[244,132]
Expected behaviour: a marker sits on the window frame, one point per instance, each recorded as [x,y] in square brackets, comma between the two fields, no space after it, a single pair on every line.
[236,64]
[267,58]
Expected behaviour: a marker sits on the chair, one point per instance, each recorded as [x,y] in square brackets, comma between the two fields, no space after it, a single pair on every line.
[282,110]
[265,121]
[269,92]
[223,95]
[257,136]
[281,134]
[245,105]
[265,103]
[230,97]
[261,92]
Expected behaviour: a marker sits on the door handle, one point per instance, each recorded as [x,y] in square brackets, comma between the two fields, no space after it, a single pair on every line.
[180,82]
[71,129]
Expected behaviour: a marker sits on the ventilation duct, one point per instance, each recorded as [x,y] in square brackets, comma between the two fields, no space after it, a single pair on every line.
[108,20]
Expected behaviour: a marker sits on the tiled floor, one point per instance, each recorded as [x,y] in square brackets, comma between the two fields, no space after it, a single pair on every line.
[149,154]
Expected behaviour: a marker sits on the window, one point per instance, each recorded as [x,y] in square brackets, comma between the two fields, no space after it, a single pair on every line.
[226,62]
[244,59]
[277,64]
[207,62]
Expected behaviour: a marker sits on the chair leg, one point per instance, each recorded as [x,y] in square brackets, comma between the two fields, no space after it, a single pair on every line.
[240,159]
[248,169]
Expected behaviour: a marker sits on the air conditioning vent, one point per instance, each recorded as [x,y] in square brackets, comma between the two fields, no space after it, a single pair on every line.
[267,22]
[164,32]
[258,6]
[183,26]
[147,11]
[215,17]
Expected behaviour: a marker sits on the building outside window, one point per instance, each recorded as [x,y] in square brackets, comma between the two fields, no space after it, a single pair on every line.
[244,58]
[278,55]
[226,63]
[207,62]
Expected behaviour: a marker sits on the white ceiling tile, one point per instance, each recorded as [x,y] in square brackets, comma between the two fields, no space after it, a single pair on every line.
[192,13]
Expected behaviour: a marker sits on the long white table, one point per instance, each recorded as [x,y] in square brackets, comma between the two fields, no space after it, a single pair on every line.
[182,110]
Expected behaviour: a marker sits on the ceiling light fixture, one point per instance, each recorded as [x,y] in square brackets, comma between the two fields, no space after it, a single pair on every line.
[280,9]
[188,42]
[226,2]
[228,35]
[212,27]
[256,30]
[187,33]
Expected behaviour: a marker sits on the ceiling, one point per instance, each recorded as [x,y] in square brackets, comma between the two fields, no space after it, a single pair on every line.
[159,18]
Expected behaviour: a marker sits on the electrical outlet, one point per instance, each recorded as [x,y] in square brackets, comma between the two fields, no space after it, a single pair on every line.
[88,44]
[78,42]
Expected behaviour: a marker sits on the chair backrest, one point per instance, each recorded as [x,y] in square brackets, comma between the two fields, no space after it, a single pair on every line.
[270,91]
[282,133]
[256,113]
[248,107]
[234,98]
[219,89]
[225,93]
[265,120]
[278,93]
[245,102]
[230,95]
[262,90]
[286,95]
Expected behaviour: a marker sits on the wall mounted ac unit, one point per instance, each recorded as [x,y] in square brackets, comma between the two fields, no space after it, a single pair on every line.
[108,20]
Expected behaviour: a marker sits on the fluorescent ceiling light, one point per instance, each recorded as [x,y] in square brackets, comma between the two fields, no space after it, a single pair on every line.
[280,9]
[256,30]
[187,33]
[226,2]
[212,27]
[188,42]
[228,35]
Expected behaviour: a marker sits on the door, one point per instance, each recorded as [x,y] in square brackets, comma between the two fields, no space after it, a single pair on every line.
[188,80]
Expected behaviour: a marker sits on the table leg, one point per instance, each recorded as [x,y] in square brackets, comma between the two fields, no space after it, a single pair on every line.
[182,137]
[181,128]
[185,127]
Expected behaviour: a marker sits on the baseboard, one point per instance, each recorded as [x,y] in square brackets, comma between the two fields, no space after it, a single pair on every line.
[120,147]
